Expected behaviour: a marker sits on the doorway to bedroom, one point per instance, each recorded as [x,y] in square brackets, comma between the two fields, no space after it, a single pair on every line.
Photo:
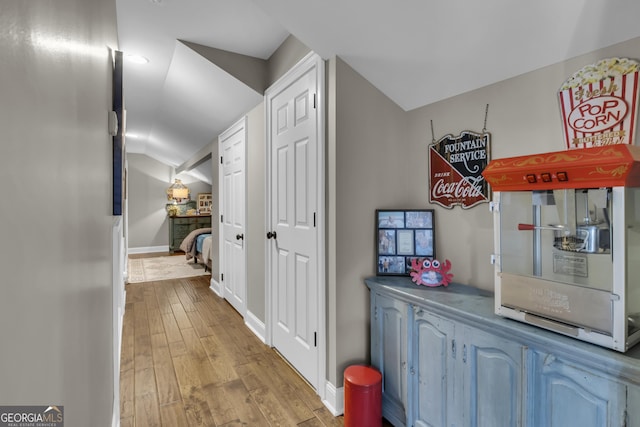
[158,266]
[153,230]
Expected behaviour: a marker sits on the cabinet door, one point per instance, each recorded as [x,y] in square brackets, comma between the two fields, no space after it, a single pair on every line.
[494,380]
[389,354]
[633,406]
[565,395]
[432,372]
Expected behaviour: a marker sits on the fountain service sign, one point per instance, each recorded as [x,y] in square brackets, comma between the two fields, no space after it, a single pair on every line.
[455,170]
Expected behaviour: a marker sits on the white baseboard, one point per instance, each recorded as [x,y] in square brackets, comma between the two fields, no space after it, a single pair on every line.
[115,420]
[149,249]
[256,326]
[215,287]
[334,399]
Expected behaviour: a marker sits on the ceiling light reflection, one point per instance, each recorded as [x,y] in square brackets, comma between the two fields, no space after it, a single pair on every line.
[64,45]
[133,135]
[137,59]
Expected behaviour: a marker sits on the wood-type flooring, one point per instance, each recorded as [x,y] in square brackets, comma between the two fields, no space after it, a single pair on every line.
[189,360]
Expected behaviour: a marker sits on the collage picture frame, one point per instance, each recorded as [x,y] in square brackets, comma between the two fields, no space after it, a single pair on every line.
[205,200]
[403,235]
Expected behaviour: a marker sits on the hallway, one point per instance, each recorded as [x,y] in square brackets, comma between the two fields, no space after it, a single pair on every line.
[189,360]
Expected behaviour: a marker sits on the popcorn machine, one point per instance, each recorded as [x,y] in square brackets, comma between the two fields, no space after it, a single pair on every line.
[567,242]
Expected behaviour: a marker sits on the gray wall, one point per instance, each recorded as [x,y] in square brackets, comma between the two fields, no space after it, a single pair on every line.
[148,183]
[288,54]
[255,221]
[55,309]
[378,158]
[366,170]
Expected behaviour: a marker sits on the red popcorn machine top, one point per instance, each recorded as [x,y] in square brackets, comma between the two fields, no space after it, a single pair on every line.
[567,242]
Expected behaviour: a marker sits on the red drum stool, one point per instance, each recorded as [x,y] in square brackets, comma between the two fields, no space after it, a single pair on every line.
[362,397]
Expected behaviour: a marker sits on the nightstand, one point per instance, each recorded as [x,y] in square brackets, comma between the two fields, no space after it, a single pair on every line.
[180,226]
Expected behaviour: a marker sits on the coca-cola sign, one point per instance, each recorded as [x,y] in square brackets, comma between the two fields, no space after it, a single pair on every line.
[455,170]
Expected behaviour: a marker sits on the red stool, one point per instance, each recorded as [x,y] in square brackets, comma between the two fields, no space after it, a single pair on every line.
[362,397]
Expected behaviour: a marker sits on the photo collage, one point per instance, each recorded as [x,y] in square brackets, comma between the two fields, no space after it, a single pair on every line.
[401,237]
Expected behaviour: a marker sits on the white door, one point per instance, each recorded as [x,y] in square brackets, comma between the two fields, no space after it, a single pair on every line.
[294,187]
[231,144]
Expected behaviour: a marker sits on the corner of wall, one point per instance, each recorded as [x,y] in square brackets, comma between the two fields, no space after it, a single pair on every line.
[288,54]
[216,287]
[256,326]
[334,399]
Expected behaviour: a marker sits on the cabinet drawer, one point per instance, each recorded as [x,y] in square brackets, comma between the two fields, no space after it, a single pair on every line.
[194,221]
[181,230]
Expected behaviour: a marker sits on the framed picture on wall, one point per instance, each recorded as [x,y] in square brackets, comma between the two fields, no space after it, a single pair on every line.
[205,201]
[403,235]
[118,150]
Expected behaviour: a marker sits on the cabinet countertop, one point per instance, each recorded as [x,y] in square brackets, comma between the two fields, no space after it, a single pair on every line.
[476,308]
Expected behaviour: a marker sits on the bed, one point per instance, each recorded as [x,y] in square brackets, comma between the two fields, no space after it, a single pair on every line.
[198,245]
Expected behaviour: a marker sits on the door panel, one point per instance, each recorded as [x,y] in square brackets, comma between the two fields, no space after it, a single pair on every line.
[302,300]
[294,259]
[494,384]
[283,283]
[434,379]
[389,355]
[232,146]
[566,394]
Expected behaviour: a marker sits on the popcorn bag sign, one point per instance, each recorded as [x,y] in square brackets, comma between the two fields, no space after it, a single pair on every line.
[599,104]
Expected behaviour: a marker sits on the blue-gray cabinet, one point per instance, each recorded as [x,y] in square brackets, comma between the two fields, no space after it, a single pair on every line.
[447,360]
[566,394]
[389,354]
[494,390]
[433,379]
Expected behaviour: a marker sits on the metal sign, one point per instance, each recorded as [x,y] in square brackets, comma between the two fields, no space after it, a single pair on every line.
[599,104]
[455,170]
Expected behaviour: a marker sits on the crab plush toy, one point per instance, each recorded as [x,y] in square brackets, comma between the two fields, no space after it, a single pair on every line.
[431,272]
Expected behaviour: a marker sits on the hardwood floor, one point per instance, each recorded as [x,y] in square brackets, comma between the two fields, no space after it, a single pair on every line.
[189,360]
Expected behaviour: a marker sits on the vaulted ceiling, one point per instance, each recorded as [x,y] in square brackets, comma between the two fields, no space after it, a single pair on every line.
[415,51]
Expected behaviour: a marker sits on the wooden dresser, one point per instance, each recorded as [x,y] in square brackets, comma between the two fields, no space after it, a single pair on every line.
[448,360]
[180,226]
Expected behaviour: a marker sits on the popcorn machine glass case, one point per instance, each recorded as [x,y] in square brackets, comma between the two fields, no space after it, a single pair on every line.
[567,239]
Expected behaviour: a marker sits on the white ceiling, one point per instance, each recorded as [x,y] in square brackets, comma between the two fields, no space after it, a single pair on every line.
[415,51]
